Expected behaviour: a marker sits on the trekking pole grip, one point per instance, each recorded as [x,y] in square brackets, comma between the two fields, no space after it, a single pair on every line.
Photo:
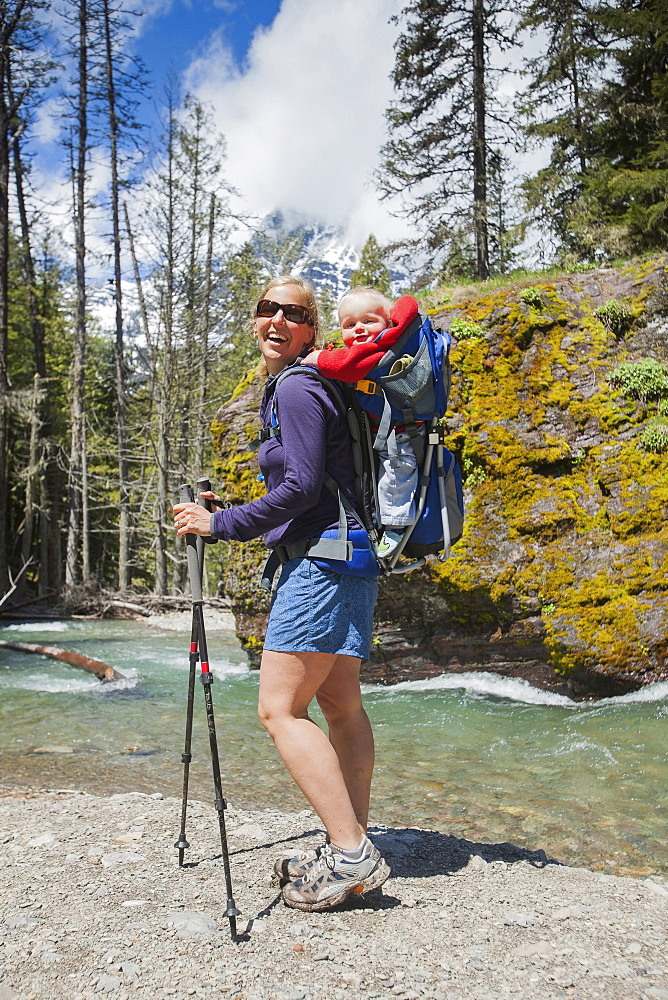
[186,495]
[204,486]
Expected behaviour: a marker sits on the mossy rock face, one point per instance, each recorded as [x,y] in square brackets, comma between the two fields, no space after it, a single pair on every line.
[562,573]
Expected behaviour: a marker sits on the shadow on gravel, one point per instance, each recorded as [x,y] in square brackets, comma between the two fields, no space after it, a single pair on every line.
[277,843]
[425,853]
[410,853]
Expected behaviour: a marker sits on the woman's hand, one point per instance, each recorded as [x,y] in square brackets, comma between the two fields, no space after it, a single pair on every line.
[190,518]
[208,495]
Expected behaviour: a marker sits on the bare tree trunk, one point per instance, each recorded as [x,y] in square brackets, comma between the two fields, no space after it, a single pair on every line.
[119,349]
[85,510]
[32,473]
[203,388]
[162,445]
[49,535]
[74,486]
[575,80]
[479,142]
[165,382]
[8,23]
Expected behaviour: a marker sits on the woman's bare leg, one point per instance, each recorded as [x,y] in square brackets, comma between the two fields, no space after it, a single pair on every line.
[340,700]
[288,683]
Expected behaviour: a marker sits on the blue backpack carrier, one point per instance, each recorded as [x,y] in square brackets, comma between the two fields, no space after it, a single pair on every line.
[413,396]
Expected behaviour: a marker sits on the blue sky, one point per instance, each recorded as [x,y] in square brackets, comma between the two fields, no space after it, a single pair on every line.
[298,89]
[173,36]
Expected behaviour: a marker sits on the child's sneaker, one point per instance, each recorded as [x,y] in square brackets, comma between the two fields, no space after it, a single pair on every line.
[295,866]
[389,542]
[334,877]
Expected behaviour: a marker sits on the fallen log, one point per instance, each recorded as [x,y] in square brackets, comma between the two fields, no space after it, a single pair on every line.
[101,670]
[127,605]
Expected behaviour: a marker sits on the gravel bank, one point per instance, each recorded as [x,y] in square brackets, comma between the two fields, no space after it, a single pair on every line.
[92,902]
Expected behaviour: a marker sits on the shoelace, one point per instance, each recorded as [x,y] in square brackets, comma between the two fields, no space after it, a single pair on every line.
[325,860]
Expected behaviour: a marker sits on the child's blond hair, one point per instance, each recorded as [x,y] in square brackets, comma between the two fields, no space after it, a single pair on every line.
[367,290]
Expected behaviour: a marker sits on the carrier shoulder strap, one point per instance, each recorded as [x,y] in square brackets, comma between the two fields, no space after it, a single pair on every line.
[339,548]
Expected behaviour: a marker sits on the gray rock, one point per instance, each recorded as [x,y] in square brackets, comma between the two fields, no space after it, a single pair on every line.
[512,919]
[48,837]
[51,957]
[120,858]
[21,920]
[191,924]
[130,970]
[661,890]
[249,831]
[7,994]
[536,948]
[107,984]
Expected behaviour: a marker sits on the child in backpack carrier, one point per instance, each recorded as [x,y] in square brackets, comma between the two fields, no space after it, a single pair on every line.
[370,324]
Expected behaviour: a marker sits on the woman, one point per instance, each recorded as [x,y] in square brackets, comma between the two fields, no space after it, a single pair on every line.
[320,622]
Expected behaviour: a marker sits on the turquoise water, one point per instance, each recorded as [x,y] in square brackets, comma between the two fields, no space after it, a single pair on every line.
[484,757]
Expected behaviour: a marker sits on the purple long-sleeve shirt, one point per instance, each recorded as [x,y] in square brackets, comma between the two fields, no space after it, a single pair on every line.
[314,439]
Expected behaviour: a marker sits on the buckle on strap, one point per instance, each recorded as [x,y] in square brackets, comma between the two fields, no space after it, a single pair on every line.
[369,387]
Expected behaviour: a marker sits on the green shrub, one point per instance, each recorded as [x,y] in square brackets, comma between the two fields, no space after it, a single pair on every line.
[582,266]
[615,316]
[641,379]
[654,438]
[531,297]
[465,329]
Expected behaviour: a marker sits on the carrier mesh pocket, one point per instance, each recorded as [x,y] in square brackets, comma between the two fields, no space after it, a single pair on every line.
[413,386]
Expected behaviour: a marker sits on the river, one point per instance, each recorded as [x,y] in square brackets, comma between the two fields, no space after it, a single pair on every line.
[475,755]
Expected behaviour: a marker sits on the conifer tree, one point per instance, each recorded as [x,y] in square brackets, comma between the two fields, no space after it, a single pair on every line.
[122,78]
[21,34]
[372,270]
[624,203]
[560,106]
[442,122]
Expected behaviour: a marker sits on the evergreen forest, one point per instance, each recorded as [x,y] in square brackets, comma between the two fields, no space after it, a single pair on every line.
[125,327]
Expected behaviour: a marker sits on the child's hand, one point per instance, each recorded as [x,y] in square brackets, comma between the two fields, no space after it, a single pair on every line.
[311,359]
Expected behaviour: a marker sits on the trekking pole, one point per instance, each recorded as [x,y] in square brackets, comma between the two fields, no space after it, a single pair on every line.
[186,496]
[206,677]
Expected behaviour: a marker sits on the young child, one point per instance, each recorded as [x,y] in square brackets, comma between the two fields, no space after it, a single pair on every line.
[370,324]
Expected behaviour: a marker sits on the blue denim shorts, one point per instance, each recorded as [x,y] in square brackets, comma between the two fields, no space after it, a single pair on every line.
[314,610]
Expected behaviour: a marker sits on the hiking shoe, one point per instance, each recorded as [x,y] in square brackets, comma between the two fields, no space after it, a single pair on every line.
[334,877]
[389,542]
[295,866]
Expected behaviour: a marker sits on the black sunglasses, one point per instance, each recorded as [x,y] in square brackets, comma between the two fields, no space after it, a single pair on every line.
[293,313]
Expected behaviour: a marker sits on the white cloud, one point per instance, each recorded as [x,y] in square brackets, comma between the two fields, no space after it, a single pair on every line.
[304,117]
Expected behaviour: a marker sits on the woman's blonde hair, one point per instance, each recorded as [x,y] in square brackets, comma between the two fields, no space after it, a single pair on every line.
[310,299]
